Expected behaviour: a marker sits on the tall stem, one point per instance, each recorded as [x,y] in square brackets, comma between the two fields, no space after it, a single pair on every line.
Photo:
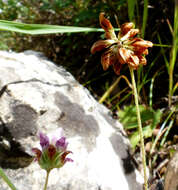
[173,53]
[46,181]
[139,128]
[145,15]
[6,179]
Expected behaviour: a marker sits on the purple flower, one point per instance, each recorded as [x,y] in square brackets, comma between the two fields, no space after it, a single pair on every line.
[54,152]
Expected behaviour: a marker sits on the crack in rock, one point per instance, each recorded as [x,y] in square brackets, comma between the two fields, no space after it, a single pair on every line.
[4,88]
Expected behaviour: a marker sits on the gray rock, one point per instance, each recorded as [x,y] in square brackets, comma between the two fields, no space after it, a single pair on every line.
[36,95]
[171,176]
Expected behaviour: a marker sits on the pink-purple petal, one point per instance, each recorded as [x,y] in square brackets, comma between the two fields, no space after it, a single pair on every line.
[44,140]
[61,143]
[68,160]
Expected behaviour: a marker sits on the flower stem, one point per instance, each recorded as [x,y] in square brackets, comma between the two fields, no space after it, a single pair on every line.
[46,181]
[6,179]
[139,128]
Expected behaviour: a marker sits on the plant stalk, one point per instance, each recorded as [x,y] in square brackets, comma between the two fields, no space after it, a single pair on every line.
[173,53]
[6,179]
[139,128]
[145,16]
[111,88]
[46,181]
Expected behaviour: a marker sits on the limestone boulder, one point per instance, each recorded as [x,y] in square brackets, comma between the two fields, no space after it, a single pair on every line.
[171,176]
[36,95]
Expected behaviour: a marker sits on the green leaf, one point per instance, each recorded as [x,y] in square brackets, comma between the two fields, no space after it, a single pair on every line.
[35,29]
[135,137]
[150,118]
[128,116]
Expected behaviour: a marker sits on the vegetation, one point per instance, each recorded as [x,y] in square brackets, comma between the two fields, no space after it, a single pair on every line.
[157,83]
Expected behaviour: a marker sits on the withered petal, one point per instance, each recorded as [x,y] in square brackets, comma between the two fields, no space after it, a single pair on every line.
[117,68]
[108,58]
[142,60]
[145,52]
[133,61]
[126,27]
[107,26]
[130,34]
[104,22]
[142,44]
[140,51]
[131,41]
[133,32]
[124,55]
[100,45]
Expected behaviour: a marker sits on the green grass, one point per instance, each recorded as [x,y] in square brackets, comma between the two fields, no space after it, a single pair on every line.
[36,29]
[173,52]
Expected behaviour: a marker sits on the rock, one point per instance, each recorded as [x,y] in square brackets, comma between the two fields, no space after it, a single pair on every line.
[171,176]
[36,95]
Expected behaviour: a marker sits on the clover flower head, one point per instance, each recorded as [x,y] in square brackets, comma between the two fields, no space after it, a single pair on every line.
[121,49]
[53,153]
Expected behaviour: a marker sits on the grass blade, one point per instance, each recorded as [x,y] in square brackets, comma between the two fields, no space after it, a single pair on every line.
[131,9]
[145,15]
[111,88]
[174,52]
[160,131]
[35,29]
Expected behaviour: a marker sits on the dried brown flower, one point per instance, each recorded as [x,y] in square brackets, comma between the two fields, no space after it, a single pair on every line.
[121,49]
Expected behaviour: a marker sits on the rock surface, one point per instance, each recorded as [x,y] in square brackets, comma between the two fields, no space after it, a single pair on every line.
[171,177]
[36,95]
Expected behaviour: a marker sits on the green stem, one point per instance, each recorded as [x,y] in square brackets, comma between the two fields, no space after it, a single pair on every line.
[139,128]
[6,179]
[173,53]
[46,181]
[160,131]
[145,15]
[111,88]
